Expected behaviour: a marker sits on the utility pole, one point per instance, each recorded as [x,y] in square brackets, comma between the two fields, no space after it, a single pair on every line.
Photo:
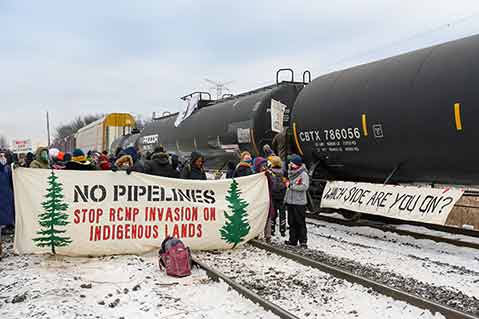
[48,129]
[219,87]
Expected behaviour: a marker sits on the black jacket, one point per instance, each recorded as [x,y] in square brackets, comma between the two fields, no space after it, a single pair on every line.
[242,170]
[158,168]
[192,172]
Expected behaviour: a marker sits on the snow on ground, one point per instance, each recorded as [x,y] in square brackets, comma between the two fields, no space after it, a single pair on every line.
[427,231]
[438,264]
[305,291]
[112,287]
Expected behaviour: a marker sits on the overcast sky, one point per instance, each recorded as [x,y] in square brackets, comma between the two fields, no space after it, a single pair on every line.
[82,57]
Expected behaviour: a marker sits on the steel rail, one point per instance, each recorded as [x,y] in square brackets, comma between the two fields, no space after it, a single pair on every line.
[380,288]
[388,228]
[257,299]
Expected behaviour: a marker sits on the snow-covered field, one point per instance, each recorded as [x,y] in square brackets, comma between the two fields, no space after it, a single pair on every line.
[112,287]
[438,264]
[304,291]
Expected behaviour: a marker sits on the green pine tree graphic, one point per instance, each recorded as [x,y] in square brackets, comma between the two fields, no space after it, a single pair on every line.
[53,217]
[236,226]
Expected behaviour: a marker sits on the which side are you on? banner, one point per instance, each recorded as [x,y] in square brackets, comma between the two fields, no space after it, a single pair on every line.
[77,213]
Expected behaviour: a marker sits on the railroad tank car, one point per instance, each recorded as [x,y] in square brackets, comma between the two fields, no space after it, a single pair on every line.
[219,129]
[408,118]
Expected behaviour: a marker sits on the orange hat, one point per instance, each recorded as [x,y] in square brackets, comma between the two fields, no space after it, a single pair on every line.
[60,156]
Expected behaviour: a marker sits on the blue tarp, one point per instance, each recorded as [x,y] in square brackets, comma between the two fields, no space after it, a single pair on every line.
[7,210]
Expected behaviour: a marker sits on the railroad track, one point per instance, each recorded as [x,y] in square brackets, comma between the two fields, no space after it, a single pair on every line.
[378,287]
[249,294]
[389,228]
[336,272]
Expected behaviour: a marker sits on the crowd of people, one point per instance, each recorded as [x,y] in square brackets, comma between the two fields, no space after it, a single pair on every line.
[288,178]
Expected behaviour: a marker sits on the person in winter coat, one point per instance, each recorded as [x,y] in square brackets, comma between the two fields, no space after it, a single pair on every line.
[231,169]
[41,158]
[296,201]
[194,169]
[159,165]
[79,162]
[278,190]
[103,162]
[244,167]
[7,210]
[261,165]
[29,159]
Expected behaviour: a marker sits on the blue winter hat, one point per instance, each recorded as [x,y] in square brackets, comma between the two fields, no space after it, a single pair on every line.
[295,159]
[78,155]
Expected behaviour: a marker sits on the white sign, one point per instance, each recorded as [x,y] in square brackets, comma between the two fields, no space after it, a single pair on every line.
[428,205]
[102,213]
[192,104]
[244,135]
[277,115]
[22,146]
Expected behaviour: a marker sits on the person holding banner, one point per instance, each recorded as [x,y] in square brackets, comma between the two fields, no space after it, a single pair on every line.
[194,169]
[41,158]
[296,201]
[7,211]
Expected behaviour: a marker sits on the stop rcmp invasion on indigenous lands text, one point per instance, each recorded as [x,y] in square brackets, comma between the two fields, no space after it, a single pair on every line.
[185,218]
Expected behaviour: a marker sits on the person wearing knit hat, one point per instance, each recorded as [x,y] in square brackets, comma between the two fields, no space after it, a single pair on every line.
[79,162]
[244,167]
[261,166]
[296,201]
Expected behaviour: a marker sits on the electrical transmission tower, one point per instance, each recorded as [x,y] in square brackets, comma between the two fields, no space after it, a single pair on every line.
[219,87]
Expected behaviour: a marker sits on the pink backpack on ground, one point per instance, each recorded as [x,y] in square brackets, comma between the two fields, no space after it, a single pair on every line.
[175,258]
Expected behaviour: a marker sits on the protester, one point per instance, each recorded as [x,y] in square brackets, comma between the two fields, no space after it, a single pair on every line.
[79,162]
[278,190]
[194,169]
[244,167]
[267,152]
[41,158]
[22,160]
[160,165]
[296,201]
[124,162]
[261,165]
[7,211]
[103,162]
[29,159]
[231,166]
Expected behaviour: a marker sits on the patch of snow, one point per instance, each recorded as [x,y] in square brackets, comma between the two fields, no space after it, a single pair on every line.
[121,286]
[305,291]
[438,264]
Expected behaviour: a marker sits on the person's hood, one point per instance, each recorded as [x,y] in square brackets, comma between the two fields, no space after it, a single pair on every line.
[162,158]
[39,151]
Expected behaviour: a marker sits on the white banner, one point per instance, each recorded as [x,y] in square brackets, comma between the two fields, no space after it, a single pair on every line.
[22,146]
[244,135]
[80,213]
[277,115]
[428,205]
[192,104]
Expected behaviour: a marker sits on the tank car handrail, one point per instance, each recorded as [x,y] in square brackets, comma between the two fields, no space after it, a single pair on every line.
[197,92]
[304,76]
[284,69]
[226,95]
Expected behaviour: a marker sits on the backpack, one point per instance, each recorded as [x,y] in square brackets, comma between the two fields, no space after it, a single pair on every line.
[175,258]
[278,187]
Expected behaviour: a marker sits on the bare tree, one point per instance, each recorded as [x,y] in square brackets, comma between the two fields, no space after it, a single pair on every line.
[74,125]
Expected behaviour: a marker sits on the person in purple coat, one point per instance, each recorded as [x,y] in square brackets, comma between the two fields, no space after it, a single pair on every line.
[7,210]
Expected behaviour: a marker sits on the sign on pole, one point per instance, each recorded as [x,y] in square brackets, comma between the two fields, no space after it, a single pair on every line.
[22,146]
